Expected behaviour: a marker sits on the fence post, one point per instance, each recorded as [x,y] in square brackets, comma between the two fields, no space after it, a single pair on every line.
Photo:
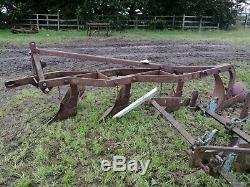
[136,21]
[246,21]
[173,22]
[47,19]
[183,22]
[37,22]
[218,26]
[58,20]
[78,25]
[155,22]
[200,26]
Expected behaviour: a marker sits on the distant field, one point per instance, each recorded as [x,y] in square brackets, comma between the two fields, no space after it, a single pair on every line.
[43,37]
[229,36]
[51,37]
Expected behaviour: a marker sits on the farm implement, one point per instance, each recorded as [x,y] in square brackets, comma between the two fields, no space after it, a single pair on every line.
[203,151]
[19,29]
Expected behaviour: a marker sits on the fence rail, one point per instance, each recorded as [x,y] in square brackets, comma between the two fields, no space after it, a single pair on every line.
[175,21]
[183,21]
[48,21]
[243,19]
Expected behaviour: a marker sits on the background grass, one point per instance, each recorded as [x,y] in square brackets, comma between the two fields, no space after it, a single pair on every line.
[227,36]
[50,37]
[44,37]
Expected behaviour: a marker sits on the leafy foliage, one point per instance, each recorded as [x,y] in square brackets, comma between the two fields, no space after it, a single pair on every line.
[222,10]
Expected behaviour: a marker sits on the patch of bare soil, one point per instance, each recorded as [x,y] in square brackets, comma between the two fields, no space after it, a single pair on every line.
[16,62]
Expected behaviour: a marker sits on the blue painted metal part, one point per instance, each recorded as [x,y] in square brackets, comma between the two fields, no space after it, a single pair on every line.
[229,162]
[228,165]
[213,105]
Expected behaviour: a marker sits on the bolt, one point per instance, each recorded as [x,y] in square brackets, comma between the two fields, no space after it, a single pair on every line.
[44,84]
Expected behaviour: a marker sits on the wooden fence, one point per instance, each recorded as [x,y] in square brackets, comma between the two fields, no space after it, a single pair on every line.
[183,22]
[49,21]
[243,19]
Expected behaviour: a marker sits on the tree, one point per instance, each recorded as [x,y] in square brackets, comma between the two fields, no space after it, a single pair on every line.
[223,10]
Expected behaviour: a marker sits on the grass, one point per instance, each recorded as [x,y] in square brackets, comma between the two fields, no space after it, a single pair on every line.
[43,37]
[69,153]
[52,37]
[236,36]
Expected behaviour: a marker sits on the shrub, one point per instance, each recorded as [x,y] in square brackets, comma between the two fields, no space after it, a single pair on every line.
[157,24]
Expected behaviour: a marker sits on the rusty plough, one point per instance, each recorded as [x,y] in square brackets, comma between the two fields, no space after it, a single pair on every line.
[203,152]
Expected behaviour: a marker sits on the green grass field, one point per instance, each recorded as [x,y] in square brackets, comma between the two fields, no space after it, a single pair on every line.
[50,37]
[43,37]
[69,153]
[223,36]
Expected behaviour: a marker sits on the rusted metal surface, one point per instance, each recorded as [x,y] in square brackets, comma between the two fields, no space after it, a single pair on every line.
[19,29]
[219,89]
[246,108]
[179,89]
[177,126]
[240,90]
[228,125]
[245,150]
[193,100]
[36,63]
[93,28]
[68,106]
[171,104]
[242,163]
[121,102]
[137,103]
